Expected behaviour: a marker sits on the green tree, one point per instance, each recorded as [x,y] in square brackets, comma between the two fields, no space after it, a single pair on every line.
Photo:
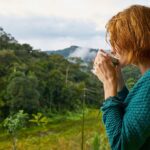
[13,124]
[40,120]
[71,96]
[23,94]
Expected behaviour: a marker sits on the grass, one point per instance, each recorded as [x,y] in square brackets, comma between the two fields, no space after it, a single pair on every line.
[61,134]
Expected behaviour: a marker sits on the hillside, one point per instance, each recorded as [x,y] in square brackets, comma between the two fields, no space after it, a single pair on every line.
[86,54]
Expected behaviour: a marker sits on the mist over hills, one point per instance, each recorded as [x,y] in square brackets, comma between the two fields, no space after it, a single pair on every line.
[86,54]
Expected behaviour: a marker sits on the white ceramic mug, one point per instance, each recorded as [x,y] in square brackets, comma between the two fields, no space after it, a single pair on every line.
[115,60]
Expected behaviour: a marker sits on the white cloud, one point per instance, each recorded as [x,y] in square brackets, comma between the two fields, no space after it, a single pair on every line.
[94,10]
[83,53]
[63,42]
[80,22]
[49,27]
[80,52]
[53,33]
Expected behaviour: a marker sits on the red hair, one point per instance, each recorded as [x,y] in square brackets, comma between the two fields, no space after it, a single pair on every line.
[129,33]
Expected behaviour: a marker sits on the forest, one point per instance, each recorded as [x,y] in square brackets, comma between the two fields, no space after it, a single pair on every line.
[40,90]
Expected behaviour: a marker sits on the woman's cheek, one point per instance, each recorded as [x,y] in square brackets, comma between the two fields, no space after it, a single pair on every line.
[123,62]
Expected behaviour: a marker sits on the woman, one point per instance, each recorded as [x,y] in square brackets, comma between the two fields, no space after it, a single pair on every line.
[126,114]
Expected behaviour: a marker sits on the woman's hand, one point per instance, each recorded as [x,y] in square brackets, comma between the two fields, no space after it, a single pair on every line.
[106,73]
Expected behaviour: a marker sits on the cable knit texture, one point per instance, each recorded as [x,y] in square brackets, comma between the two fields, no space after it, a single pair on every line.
[127,116]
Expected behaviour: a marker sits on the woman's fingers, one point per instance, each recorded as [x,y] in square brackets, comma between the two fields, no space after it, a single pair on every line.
[103,52]
[98,53]
[100,58]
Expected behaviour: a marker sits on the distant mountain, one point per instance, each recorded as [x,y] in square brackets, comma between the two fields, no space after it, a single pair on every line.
[86,54]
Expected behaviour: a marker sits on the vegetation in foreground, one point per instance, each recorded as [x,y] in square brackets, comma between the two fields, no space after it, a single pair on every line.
[64,133]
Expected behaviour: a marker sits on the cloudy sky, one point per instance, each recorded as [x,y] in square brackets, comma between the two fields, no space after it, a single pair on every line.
[57,24]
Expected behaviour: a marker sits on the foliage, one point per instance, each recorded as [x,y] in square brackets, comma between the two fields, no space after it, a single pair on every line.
[15,122]
[33,81]
[62,134]
[39,119]
[96,142]
[23,94]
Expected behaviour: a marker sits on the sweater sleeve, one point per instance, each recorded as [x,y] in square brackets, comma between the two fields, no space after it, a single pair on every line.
[122,94]
[127,130]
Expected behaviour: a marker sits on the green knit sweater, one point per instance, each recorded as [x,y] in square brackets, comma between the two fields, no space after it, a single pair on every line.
[127,116]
